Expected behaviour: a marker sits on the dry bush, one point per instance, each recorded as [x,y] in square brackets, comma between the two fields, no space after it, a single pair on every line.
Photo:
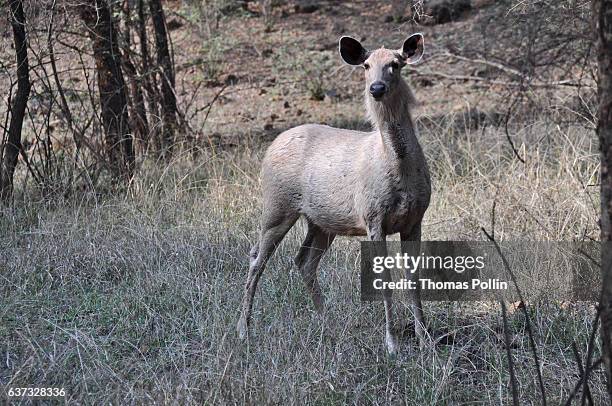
[527,57]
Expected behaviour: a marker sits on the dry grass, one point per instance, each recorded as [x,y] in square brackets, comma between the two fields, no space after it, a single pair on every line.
[133,298]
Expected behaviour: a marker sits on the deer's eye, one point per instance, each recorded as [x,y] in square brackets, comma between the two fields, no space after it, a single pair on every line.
[366,66]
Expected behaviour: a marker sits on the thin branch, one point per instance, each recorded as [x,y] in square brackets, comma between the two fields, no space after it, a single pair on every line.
[514,150]
[532,343]
[590,348]
[576,352]
[513,382]
[572,395]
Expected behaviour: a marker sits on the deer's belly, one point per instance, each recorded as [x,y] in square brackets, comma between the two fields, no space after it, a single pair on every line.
[333,217]
[341,211]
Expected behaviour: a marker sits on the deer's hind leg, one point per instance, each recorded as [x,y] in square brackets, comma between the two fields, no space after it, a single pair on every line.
[315,244]
[273,229]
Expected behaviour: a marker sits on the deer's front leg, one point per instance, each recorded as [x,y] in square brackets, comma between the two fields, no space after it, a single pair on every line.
[411,245]
[376,235]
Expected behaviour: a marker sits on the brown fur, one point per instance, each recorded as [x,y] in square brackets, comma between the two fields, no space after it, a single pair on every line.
[346,182]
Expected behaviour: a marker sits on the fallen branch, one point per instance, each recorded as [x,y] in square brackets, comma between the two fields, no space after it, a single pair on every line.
[558,83]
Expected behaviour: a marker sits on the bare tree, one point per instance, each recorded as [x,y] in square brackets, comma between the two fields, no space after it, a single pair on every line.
[10,150]
[602,11]
[113,98]
[168,97]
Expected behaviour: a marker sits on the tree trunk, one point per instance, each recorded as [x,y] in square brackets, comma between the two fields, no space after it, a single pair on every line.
[147,78]
[136,99]
[602,11]
[10,150]
[113,99]
[168,101]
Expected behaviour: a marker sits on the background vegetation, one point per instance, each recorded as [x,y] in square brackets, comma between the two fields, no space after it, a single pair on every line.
[121,270]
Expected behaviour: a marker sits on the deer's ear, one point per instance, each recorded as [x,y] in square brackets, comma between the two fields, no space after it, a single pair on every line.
[352,52]
[412,50]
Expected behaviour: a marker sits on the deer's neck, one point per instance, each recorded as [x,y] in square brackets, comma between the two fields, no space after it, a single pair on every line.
[400,140]
[392,119]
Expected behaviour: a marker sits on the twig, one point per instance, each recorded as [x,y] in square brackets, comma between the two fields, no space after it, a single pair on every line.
[572,395]
[508,133]
[587,392]
[35,174]
[532,343]
[590,348]
[513,382]
[493,214]
[211,103]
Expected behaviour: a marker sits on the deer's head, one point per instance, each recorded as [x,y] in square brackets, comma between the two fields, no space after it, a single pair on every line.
[382,66]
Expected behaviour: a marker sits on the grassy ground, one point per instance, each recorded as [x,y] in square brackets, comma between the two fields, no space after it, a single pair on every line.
[134,298]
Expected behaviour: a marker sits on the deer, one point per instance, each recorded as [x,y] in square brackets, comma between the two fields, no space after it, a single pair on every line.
[348,183]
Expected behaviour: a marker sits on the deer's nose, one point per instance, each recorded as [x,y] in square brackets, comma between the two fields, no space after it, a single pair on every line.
[377,89]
